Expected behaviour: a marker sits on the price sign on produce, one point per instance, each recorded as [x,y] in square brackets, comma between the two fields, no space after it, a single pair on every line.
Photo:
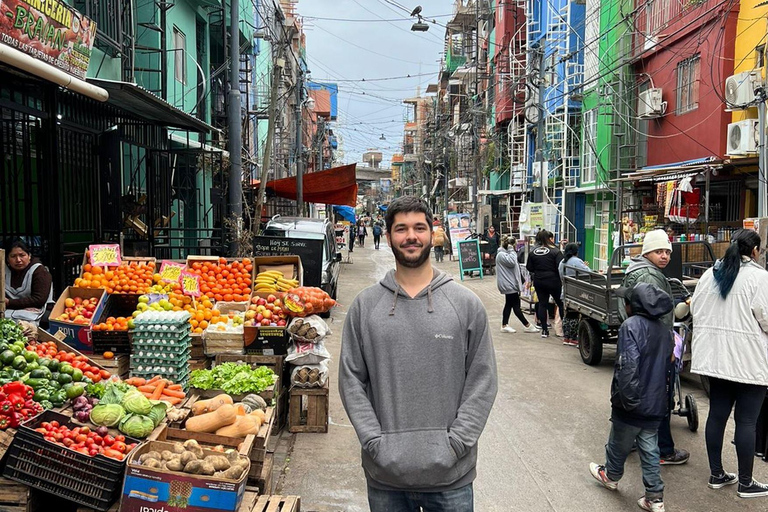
[190,284]
[170,271]
[105,255]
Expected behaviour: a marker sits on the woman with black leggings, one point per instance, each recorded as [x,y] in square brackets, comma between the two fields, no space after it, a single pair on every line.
[510,282]
[543,263]
[730,315]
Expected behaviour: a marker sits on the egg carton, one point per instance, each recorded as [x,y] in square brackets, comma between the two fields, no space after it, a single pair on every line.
[162,342]
[166,350]
[165,333]
[148,358]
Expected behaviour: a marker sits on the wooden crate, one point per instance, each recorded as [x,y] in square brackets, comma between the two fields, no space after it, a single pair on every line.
[14,497]
[118,365]
[202,363]
[262,478]
[250,496]
[278,504]
[281,412]
[277,363]
[308,410]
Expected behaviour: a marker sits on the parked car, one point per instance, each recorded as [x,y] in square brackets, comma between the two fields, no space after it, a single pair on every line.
[312,229]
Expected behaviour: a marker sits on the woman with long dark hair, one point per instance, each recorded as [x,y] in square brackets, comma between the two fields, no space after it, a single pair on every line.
[28,289]
[543,263]
[730,346]
[570,266]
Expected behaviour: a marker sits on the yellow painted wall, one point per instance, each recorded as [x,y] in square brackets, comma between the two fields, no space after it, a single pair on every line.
[751,31]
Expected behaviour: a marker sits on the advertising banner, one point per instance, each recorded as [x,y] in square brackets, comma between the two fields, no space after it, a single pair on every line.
[458,227]
[50,31]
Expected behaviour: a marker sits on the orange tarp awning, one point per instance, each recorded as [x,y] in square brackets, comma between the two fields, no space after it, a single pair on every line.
[334,186]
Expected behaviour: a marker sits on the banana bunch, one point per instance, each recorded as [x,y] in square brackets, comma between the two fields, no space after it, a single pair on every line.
[274,281]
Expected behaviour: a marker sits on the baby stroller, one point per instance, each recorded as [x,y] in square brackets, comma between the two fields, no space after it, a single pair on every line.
[686,406]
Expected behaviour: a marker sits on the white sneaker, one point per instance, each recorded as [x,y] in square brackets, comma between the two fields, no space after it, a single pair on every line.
[531,328]
[508,329]
[650,506]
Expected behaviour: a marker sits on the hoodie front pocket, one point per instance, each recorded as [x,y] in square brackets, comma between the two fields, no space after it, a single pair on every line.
[415,459]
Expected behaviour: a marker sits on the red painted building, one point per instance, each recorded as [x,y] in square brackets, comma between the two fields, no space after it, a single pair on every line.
[686,49]
[508,60]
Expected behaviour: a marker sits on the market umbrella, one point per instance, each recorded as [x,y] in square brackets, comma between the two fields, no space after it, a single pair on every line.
[346,212]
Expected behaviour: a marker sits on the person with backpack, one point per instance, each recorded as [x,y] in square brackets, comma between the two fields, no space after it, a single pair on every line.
[438,241]
[362,232]
[639,392]
[376,235]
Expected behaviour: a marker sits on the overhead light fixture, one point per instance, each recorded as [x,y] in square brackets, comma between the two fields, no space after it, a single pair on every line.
[382,137]
[419,26]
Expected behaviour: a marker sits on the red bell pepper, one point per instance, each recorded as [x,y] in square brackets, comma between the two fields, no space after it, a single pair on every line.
[5,422]
[17,401]
[15,419]
[6,407]
[3,396]
[16,387]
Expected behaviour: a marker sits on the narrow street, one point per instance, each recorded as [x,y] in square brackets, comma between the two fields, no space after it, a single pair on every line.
[549,421]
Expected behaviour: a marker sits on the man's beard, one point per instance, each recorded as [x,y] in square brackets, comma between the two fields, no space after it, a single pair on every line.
[412,262]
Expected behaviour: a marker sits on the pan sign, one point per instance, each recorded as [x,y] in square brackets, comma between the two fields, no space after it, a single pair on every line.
[469,257]
[50,31]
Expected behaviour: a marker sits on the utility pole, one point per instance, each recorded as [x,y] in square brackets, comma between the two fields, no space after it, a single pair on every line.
[762,160]
[540,129]
[299,144]
[235,129]
[277,69]
[475,124]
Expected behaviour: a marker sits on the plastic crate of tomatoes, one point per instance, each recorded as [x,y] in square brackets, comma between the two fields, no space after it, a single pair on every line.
[43,461]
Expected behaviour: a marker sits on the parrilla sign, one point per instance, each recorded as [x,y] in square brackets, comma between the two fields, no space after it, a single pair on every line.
[50,31]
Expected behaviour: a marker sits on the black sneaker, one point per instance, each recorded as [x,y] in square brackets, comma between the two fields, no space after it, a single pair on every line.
[545,334]
[674,459]
[718,482]
[753,490]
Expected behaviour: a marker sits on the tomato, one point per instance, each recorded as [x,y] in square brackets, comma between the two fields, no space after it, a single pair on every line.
[113,454]
[49,439]
[67,442]
[41,430]
[85,430]
[58,436]
[89,442]
[120,438]
[109,440]
[105,374]
[98,439]
[119,446]
[81,438]
[55,424]
[130,447]
[93,452]
[83,450]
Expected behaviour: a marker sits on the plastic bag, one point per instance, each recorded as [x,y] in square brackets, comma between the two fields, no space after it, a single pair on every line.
[311,329]
[310,375]
[300,353]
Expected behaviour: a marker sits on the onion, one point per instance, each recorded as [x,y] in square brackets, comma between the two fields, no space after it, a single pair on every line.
[102,431]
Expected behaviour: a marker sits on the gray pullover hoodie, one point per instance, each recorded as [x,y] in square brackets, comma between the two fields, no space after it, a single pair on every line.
[417,377]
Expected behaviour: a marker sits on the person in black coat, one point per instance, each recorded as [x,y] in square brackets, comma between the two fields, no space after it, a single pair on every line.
[639,397]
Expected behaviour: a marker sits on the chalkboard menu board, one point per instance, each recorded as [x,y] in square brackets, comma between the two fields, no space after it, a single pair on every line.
[310,251]
[469,257]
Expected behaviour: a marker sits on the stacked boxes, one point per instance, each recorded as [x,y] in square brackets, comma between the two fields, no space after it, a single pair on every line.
[162,345]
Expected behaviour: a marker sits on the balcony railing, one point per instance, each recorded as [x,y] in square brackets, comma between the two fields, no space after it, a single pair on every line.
[112,26]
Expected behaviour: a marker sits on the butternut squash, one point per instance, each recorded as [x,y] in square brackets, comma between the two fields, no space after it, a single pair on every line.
[242,426]
[203,406]
[212,421]
[258,413]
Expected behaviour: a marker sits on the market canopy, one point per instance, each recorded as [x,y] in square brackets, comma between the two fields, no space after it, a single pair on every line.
[672,171]
[336,186]
[345,212]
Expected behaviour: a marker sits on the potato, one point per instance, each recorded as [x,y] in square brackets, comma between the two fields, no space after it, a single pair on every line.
[178,448]
[233,473]
[232,455]
[153,463]
[192,446]
[207,469]
[188,457]
[168,455]
[193,467]
[219,462]
[174,465]
[150,455]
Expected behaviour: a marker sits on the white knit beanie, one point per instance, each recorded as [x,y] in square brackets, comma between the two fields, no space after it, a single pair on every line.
[655,240]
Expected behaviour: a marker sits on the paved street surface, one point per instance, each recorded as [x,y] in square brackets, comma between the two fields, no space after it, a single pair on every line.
[549,421]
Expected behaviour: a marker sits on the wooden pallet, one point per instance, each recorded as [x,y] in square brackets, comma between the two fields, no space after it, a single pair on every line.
[14,497]
[278,504]
[250,496]
[308,410]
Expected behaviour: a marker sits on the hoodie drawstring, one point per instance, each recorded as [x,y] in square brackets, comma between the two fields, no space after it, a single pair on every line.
[394,302]
[429,299]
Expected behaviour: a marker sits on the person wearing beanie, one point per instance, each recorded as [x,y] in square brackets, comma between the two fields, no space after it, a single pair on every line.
[647,268]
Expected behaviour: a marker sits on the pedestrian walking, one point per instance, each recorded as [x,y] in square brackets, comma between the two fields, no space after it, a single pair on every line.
[438,241]
[730,314]
[362,232]
[509,280]
[570,265]
[376,235]
[492,240]
[417,378]
[639,392]
[647,268]
[543,263]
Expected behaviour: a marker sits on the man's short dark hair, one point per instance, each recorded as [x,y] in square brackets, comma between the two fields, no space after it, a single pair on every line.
[406,204]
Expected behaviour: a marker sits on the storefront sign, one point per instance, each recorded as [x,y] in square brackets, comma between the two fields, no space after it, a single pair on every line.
[170,271]
[105,255]
[50,31]
[190,284]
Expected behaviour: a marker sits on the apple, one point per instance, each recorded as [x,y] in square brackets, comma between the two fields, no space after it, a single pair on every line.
[259,317]
[254,300]
[278,303]
[271,298]
[88,314]
[70,303]
[265,322]
[250,315]
[281,323]
[267,314]
[262,302]
[78,300]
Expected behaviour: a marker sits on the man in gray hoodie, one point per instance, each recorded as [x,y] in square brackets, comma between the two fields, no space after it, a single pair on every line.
[417,375]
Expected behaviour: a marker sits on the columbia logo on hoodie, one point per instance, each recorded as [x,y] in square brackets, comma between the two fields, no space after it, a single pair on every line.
[443,336]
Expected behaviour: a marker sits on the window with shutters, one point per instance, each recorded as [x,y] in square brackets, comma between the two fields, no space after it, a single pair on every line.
[688,77]
[180,55]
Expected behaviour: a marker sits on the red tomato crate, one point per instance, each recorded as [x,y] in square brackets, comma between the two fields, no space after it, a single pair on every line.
[91,481]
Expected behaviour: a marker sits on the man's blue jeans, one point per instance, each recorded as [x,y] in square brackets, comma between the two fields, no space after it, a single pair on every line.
[618,448]
[458,500]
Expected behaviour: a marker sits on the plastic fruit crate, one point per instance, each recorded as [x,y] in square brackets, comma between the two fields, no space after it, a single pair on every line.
[91,481]
[118,342]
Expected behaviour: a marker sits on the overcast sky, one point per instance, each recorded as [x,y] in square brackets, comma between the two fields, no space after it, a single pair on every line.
[373,48]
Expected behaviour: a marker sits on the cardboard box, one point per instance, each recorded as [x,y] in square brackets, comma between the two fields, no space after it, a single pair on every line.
[45,336]
[289,265]
[146,488]
[77,335]
[268,341]
[126,260]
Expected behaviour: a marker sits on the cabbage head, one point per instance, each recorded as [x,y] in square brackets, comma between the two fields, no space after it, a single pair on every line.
[157,413]
[136,425]
[107,415]
[135,402]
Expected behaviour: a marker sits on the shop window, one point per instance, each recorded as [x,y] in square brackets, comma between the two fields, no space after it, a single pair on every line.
[180,55]
[588,148]
[592,41]
[688,76]
[760,56]
[602,233]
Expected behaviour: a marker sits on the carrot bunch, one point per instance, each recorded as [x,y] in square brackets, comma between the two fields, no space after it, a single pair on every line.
[158,388]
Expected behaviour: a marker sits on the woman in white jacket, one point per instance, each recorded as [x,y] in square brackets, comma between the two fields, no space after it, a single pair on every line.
[730,346]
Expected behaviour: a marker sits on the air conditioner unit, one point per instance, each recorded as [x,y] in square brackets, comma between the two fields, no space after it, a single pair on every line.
[649,104]
[743,137]
[740,89]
